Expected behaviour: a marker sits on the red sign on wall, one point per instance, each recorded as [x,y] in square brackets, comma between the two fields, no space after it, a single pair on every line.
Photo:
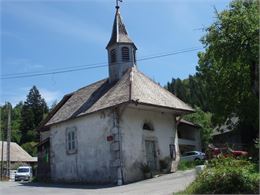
[110,138]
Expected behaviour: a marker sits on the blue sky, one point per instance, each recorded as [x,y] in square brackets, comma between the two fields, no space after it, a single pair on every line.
[39,36]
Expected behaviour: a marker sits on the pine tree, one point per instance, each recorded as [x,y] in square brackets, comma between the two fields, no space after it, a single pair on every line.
[32,114]
[4,116]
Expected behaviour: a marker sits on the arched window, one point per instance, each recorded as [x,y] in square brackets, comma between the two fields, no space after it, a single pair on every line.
[113,55]
[125,54]
[148,126]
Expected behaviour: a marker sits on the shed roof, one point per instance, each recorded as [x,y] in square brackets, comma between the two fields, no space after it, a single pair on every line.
[134,86]
[185,122]
[17,153]
[229,126]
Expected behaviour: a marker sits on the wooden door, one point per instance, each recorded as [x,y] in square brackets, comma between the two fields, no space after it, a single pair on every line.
[150,154]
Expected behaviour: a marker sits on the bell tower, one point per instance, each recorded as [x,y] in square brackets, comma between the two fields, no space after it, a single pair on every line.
[121,49]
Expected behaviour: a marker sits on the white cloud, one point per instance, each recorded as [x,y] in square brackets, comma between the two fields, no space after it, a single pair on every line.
[50,96]
[14,97]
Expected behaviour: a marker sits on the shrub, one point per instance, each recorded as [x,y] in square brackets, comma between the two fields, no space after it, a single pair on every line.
[226,175]
[185,165]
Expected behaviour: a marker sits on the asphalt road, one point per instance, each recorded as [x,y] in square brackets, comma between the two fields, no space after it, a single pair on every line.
[166,184]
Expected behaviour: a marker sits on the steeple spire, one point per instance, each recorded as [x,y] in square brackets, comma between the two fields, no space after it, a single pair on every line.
[121,49]
[119,32]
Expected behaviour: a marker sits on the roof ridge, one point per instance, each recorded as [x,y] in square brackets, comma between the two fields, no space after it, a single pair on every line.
[88,85]
[131,78]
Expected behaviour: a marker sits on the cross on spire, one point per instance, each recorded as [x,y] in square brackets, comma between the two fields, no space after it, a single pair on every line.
[117,6]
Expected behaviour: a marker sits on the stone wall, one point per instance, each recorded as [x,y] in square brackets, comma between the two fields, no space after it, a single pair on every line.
[91,162]
[134,136]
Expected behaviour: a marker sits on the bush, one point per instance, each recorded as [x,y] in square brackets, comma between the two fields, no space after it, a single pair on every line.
[185,165]
[226,175]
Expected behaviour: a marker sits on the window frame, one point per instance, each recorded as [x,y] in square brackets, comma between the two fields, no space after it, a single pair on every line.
[71,140]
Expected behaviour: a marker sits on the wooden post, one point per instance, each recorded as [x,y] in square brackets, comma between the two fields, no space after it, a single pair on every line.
[8,139]
[2,152]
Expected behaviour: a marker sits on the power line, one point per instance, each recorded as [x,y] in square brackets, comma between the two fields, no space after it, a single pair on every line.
[87,66]
[51,73]
[101,63]
[62,70]
[170,54]
[55,69]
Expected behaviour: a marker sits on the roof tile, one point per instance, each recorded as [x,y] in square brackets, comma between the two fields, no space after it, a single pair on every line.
[133,86]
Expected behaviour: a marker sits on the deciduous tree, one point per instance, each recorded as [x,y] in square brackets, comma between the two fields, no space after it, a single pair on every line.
[230,65]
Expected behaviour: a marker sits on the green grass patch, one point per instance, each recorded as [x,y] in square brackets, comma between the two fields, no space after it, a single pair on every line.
[186,165]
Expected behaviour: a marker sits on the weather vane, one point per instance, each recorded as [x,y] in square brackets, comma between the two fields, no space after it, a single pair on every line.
[117,6]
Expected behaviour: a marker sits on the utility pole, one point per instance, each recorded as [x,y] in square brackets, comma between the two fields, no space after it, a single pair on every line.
[2,152]
[8,139]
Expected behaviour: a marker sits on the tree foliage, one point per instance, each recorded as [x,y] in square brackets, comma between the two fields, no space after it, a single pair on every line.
[226,83]
[15,122]
[32,112]
[30,147]
[191,91]
[25,118]
[4,118]
[229,67]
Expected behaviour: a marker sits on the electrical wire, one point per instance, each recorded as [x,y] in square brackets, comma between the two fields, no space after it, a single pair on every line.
[87,66]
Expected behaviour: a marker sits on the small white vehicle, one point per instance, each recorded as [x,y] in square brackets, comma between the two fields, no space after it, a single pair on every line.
[193,155]
[23,173]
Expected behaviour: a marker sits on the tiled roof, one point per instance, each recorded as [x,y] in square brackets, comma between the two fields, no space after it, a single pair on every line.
[146,91]
[134,86]
[17,153]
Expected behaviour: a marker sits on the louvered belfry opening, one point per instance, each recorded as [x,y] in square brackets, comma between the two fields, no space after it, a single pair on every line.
[125,54]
